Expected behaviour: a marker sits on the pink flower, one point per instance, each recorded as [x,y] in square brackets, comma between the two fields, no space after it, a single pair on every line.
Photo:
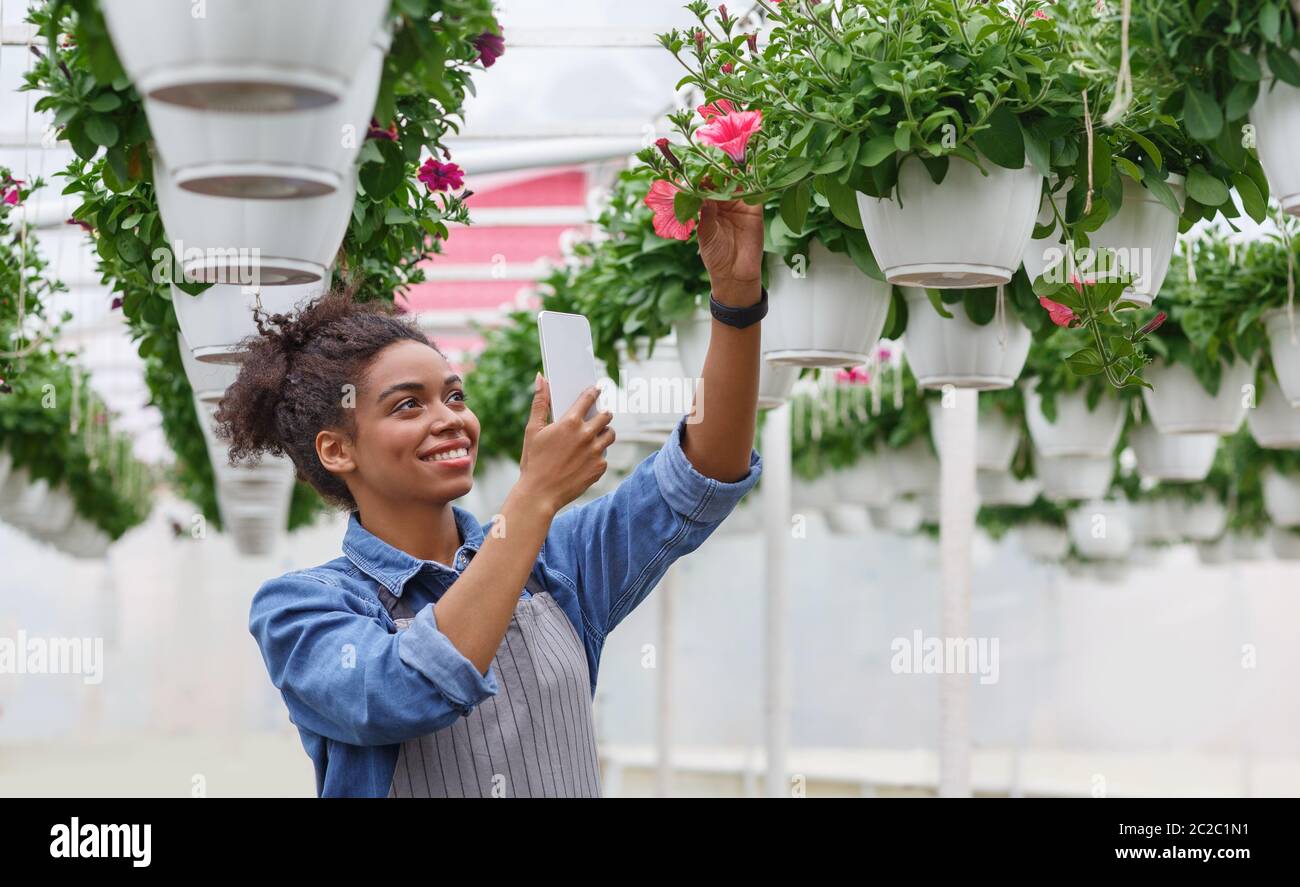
[1061,315]
[1038,13]
[853,376]
[441,176]
[1152,325]
[490,47]
[883,354]
[720,108]
[83,225]
[11,196]
[117,303]
[728,68]
[731,132]
[660,200]
[377,132]
[666,149]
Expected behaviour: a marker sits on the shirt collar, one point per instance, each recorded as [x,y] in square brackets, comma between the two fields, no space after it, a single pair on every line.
[393,568]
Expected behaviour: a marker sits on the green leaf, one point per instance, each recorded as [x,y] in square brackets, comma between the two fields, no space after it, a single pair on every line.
[843,200]
[1205,188]
[1243,66]
[936,299]
[1251,200]
[1150,148]
[686,206]
[101,131]
[1002,142]
[105,102]
[1283,65]
[1201,115]
[1037,150]
[1086,362]
[876,149]
[382,179]
[794,206]
[1269,22]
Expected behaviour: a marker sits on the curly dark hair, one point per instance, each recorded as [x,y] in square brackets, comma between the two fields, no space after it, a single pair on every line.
[291,383]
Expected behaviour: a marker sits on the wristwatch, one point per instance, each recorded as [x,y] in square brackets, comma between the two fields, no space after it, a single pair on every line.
[740,317]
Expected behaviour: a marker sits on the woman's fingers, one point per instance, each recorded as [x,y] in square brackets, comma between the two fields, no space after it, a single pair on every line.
[578,411]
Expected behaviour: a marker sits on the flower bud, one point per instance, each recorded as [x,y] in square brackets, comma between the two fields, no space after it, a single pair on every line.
[667,151]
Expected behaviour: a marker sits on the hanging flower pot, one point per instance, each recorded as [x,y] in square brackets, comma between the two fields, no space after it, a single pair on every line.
[1150,522]
[1282,497]
[959,352]
[1101,530]
[969,231]
[246,242]
[243,55]
[1177,404]
[1042,541]
[1215,553]
[774,382]
[1195,521]
[902,516]
[1248,547]
[913,468]
[654,391]
[1142,234]
[217,320]
[865,482]
[209,380]
[996,437]
[846,519]
[83,540]
[1276,118]
[1173,457]
[1077,431]
[830,317]
[1274,422]
[305,153]
[1284,347]
[1284,543]
[39,508]
[1074,477]
[1004,488]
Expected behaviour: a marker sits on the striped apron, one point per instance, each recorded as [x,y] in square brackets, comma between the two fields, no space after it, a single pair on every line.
[534,738]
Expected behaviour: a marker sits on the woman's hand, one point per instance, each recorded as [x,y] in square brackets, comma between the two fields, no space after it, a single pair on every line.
[562,459]
[731,245]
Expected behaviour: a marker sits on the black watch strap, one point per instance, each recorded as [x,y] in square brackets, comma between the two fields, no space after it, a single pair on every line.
[740,317]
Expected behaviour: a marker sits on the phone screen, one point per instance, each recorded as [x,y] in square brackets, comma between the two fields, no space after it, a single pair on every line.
[568,358]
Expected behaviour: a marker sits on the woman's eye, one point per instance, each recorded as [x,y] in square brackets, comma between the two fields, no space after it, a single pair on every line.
[405,403]
[460,395]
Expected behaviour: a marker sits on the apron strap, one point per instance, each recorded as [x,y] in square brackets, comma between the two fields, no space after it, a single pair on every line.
[399,609]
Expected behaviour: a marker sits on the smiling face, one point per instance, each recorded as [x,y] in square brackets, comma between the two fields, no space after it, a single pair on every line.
[414,436]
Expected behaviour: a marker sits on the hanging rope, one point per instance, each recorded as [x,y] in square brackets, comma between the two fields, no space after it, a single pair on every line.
[1000,316]
[1124,79]
[1087,123]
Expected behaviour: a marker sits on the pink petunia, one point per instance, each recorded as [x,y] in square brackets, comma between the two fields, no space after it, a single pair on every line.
[666,224]
[11,196]
[853,376]
[731,132]
[1061,315]
[441,176]
[720,108]
[490,47]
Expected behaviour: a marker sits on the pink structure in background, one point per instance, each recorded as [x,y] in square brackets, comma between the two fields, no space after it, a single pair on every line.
[480,247]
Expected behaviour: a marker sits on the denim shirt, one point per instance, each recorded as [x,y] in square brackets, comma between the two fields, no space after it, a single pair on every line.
[356,688]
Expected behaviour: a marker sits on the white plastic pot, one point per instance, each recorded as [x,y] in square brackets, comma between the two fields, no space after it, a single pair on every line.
[1074,477]
[1276,118]
[1196,521]
[969,231]
[1247,548]
[1003,488]
[866,482]
[41,509]
[830,317]
[1143,233]
[1284,347]
[267,156]
[654,392]
[1215,553]
[996,437]
[845,519]
[243,55]
[1177,404]
[902,516]
[1285,543]
[209,380]
[247,242]
[959,352]
[818,494]
[1150,522]
[83,540]
[774,382]
[1274,422]
[217,320]
[1043,542]
[1282,497]
[1146,556]
[1101,530]
[1173,457]
[913,468]
[1077,430]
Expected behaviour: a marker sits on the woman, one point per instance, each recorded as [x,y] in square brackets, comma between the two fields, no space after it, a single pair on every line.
[438,657]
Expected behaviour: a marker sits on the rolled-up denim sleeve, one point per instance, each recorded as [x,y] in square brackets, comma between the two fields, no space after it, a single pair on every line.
[343,675]
[617,548]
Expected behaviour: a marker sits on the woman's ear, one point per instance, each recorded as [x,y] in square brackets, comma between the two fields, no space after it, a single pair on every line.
[335,452]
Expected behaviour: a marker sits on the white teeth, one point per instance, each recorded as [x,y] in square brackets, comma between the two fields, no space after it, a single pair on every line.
[459,453]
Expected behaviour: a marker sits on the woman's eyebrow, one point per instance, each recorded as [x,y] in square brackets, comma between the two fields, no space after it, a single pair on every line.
[453,379]
[400,386]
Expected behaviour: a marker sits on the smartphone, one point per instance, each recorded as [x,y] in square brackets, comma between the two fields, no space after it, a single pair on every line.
[568,358]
